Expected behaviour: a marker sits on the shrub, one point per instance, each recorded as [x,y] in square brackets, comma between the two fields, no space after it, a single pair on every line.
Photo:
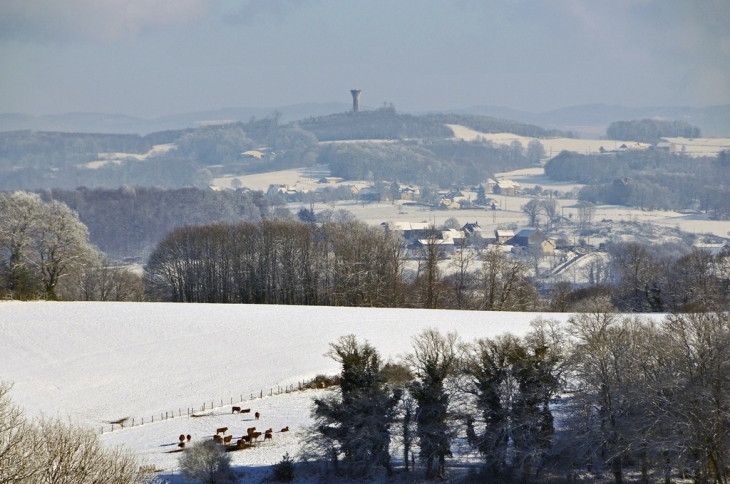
[284,470]
[207,462]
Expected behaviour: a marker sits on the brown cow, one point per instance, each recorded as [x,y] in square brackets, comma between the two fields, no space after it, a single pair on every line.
[255,435]
[285,429]
[217,438]
[267,436]
[257,415]
[250,430]
[241,443]
[181,445]
[227,439]
[245,410]
[188,437]
[181,438]
[235,409]
[221,430]
[269,431]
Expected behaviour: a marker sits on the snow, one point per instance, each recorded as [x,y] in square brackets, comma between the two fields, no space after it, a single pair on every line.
[98,363]
[552,146]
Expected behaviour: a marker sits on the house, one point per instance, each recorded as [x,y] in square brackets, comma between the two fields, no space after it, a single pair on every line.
[475,235]
[456,236]
[489,185]
[507,187]
[253,154]
[531,237]
[666,146]
[409,230]
[410,193]
[503,236]
[276,189]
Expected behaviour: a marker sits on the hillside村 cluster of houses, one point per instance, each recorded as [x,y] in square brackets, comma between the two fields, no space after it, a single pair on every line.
[388,191]
[420,234]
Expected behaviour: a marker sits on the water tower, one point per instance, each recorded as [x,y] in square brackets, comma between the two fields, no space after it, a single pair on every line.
[356,99]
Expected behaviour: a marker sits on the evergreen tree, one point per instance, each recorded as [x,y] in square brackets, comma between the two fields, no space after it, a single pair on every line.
[433,361]
[357,421]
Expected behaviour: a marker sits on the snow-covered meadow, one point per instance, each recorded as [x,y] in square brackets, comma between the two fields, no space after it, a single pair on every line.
[98,363]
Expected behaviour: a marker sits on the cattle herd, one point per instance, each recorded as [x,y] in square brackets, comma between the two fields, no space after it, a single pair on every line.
[252,435]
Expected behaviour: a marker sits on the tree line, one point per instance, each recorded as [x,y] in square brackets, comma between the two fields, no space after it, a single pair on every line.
[347,263]
[129,221]
[651,130]
[602,396]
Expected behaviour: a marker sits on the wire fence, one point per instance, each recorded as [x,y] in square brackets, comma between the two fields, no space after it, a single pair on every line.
[207,406]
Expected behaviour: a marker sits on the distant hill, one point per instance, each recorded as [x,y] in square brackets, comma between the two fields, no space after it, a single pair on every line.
[121,124]
[591,120]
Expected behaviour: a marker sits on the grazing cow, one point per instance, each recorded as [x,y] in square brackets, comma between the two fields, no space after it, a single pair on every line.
[181,438]
[181,445]
[188,437]
[236,409]
[267,436]
[285,429]
[221,430]
[257,415]
[227,439]
[245,410]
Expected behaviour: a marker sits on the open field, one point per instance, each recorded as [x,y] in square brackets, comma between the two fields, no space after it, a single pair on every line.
[97,363]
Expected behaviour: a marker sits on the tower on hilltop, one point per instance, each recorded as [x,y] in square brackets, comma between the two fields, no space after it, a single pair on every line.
[356,99]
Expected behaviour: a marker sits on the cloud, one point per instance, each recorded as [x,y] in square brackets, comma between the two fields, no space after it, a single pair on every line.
[250,11]
[96,20]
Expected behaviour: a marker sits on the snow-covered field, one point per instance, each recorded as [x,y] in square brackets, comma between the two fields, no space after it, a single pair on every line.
[98,363]
[552,146]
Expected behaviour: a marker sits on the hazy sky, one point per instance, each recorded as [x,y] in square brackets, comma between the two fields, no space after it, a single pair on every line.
[157,57]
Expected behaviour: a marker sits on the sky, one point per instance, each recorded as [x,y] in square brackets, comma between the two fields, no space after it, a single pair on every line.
[152,58]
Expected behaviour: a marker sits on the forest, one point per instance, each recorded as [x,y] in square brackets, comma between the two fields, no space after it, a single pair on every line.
[649,179]
[651,130]
[605,396]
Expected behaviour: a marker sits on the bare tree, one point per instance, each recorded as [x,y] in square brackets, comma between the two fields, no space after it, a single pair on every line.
[552,211]
[502,282]
[605,386]
[532,210]
[462,279]
[49,451]
[22,213]
[428,280]
[586,211]
[18,445]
